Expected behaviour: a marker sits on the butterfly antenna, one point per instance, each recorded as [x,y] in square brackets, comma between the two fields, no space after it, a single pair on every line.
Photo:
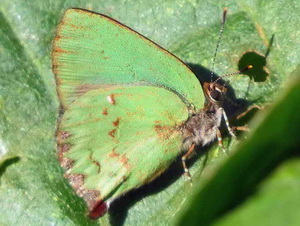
[234,73]
[218,43]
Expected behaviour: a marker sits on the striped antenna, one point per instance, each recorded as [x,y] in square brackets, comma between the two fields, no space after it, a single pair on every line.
[218,43]
[234,73]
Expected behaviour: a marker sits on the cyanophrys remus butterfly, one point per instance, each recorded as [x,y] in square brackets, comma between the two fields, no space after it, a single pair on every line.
[129,108]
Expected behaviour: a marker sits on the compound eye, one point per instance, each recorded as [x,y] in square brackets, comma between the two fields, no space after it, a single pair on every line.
[216,95]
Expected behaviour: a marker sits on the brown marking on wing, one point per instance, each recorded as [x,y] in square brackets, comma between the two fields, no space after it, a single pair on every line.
[163,132]
[82,89]
[87,121]
[76,27]
[105,112]
[64,147]
[65,162]
[64,135]
[116,123]
[112,133]
[58,50]
[114,154]
[91,197]
[56,66]
[124,160]
[95,162]
[59,37]
[98,165]
[76,180]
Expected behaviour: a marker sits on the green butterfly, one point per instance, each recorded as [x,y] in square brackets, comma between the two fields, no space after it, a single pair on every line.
[129,108]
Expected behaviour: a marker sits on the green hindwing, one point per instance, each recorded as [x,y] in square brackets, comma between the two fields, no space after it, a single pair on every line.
[91,50]
[117,138]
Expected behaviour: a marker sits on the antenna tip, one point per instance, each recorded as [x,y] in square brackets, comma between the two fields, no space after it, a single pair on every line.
[225,11]
[249,66]
[224,15]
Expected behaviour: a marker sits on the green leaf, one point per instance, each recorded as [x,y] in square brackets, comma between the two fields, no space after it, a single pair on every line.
[276,202]
[275,139]
[32,188]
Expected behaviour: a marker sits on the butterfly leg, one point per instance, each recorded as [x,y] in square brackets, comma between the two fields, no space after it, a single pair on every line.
[241,128]
[245,127]
[251,108]
[220,141]
[227,124]
[184,158]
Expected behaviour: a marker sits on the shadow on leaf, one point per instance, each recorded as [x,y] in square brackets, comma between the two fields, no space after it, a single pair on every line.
[7,163]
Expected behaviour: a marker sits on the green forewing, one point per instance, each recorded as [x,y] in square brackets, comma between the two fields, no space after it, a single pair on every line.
[91,50]
[122,137]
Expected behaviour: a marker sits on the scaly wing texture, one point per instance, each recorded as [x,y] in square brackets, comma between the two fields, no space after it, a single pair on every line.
[116,139]
[91,50]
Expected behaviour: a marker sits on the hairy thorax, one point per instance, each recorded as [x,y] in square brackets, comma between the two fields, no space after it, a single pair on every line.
[201,128]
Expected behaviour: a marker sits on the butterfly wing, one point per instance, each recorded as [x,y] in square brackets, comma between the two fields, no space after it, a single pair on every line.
[118,138]
[91,50]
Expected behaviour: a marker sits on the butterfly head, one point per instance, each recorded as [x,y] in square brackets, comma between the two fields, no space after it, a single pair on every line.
[214,92]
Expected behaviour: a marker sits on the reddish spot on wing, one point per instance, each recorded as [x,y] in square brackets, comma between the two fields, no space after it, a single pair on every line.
[105,112]
[114,154]
[58,50]
[57,38]
[124,160]
[116,123]
[99,210]
[112,133]
[163,132]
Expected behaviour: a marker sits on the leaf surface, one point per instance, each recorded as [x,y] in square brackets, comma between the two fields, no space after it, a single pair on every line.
[32,188]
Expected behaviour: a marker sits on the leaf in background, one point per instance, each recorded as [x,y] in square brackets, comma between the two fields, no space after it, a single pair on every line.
[32,189]
[275,139]
[275,203]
